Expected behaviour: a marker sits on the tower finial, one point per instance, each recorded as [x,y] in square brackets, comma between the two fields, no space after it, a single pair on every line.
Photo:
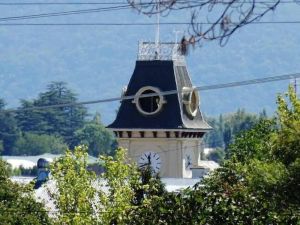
[157,28]
[177,32]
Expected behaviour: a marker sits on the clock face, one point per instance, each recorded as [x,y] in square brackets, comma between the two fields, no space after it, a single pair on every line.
[188,161]
[151,159]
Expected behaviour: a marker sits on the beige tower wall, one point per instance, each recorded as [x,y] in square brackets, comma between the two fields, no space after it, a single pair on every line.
[172,152]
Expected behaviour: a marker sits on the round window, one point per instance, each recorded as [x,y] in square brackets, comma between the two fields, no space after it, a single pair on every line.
[148,100]
[190,100]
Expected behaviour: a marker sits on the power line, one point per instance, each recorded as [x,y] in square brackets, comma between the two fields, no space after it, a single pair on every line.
[65,13]
[134,24]
[84,11]
[62,3]
[164,93]
[119,3]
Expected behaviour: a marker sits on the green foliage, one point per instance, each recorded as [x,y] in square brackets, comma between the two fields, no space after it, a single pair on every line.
[216,155]
[98,139]
[154,205]
[121,180]
[82,198]
[35,144]
[224,198]
[260,173]
[9,131]
[21,171]
[254,143]
[259,184]
[62,121]
[17,206]
[225,128]
[286,140]
[75,188]
[286,147]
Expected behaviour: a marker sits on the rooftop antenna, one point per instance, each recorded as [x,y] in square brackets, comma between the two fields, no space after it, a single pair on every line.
[177,32]
[157,28]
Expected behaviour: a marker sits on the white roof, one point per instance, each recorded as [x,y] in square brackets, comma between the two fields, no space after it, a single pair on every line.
[31,161]
[172,184]
[209,164]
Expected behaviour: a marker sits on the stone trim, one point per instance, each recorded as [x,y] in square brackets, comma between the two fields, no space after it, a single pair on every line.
[159,134]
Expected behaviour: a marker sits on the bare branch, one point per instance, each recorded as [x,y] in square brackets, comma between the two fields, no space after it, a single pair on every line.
[210,19]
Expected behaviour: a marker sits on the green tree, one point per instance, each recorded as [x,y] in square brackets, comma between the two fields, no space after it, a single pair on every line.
[286,147]
[75,188]
[9,131]
[17,206]
[62,121]
[216,155]
[215,138]
[83,198]
[30,120]
[226,127]
[35,144]
[98,139]
[155,205]
[259,184]
[122,178]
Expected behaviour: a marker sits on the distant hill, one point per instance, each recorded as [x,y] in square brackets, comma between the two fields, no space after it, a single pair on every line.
[97,61]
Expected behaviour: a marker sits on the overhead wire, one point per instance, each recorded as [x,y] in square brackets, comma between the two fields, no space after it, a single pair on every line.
[163,93]
[135,24]
[118,6]
[61,3]
[65,13]
[119,3]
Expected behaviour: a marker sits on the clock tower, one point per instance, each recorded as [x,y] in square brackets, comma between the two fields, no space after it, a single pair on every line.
[159,120]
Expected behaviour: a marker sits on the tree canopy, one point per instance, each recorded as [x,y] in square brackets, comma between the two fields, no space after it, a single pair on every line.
[98,139]
[227,126]
[9,130]
[33,130]
[62,121]
[17,205]
[257,184]
[35,144]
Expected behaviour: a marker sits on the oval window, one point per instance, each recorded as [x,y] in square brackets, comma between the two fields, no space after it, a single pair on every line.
[190,100]
[149,105]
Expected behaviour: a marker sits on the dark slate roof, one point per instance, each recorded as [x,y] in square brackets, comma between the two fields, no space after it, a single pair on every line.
[166,76]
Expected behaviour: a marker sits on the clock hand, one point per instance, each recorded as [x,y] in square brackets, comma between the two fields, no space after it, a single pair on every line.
[188,164]
[145,164]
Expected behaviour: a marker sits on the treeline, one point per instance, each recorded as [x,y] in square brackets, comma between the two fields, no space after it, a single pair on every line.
[34,131]
[257,184]
[225,128]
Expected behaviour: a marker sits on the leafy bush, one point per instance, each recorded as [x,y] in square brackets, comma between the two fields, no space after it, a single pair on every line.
[21,171]
[17,206]
[35,144]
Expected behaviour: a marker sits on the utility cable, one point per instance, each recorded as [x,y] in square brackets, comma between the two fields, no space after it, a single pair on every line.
[120,3]
[164,93]
[84,11]
[65,13]
[135,24]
